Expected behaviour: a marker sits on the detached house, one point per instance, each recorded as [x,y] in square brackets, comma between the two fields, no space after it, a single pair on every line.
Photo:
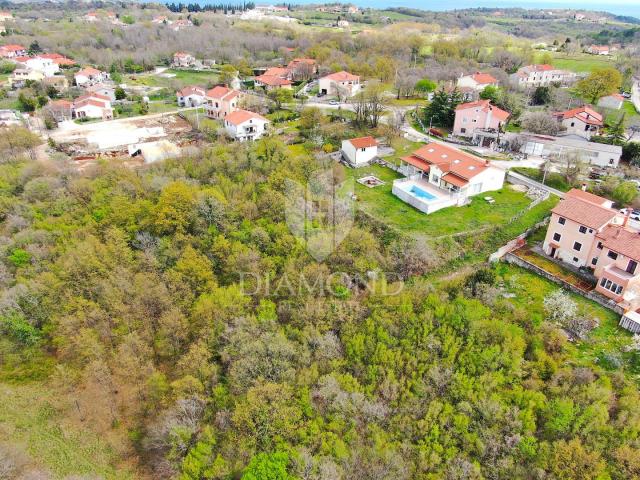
[12,50]
[191,96]
[582,121]
[472,85]
[39,63]
[92,105]
[89,76]
[221,101]
[302,68]
[480,115]
[183,59]
[532,76]
[60,110]
[342,84]
[274,78]
[244,125]
[359,151]
[600,50]
[440,176]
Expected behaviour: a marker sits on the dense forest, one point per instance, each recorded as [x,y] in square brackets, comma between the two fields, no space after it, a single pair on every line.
[133,290]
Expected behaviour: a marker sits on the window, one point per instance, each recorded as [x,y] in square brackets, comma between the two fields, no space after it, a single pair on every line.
[575,259]
[577,246]
[557,237]
[583,229]
[594,260]
[562,220]
[599,246]
[573,124]
[612,254]
[631,267]
[463,130]
[611,286]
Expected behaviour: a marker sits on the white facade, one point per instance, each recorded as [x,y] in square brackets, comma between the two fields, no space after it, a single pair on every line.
[533,76]
[359,155]
[340,84]
[245,127]
[44,65]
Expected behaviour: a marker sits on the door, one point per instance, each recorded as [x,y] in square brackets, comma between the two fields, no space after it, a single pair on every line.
[553,252]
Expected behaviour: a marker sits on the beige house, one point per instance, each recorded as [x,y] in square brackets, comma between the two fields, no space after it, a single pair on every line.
[220,101]
[582,121]
[585,231]
[342,84]
[480,115]
[183,59]
[532,76]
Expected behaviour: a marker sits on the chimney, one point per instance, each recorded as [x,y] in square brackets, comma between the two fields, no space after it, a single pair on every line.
[584,187]
[627,212]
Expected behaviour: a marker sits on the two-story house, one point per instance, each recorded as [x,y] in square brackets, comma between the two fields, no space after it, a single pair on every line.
[244,125]
[89,76]
[341,84]
[221,101]
[191,96]
[359,151]
[532,76]
[478,115]
[471,85]
[575,222]
[582,121]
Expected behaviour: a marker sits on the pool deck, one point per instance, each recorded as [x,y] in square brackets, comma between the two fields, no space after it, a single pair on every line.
[443,198]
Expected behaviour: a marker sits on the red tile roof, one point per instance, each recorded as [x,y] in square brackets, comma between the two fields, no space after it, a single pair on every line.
[485,106]
[240,116]
[342,77]
[483,78]
[222,93]
[584,113]
[12,47]
[363,142]
[273,80]
[584,212]
[191,90]
[621,240]
[276,72]
[87,96]
[588,197]
[448,159]
[87,71]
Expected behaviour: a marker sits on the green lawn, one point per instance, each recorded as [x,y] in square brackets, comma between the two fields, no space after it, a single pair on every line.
[34,419]
[581,62]
[382,205]
[553,179]
[606,343]
[181,78]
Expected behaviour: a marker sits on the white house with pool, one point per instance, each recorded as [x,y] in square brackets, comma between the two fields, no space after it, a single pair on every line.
[439,176]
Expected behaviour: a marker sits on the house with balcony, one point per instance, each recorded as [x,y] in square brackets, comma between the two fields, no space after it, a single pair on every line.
[439,176]
[220,101]
[480,115]
[582,121]
[471,85]
[12,50]
[183,60]
[244,125]
[89,76]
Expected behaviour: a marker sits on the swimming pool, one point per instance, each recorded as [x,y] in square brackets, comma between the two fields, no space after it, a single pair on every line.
[420,193]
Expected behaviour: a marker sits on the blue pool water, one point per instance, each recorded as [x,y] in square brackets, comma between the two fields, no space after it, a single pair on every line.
[420,193]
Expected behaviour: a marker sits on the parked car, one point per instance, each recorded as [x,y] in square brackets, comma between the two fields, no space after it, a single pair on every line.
[436,133]
[333,102]
[626,94]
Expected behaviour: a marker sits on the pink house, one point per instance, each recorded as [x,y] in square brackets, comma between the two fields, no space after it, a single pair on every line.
[221,101]
[480,115]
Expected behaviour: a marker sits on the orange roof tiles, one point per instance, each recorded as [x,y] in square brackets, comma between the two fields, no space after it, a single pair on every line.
[240,116]
[485,106]
[273,80]
[588,197]
[483,78]
[363,142]
[584,113]
[621,240]
[451,160]
[342,77]
[584,212]
[222,93]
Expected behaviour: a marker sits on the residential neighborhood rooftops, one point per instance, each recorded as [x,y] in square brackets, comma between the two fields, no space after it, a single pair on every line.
[363,142]
[342,77]
[273,80]
[585,208]
[12,47]
[240,116]
[485,106]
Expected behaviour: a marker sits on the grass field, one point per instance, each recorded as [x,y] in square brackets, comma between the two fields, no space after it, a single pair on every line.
[605,345]
[381,204]
[553,179]
[579,63]
[33,421]
[181,78]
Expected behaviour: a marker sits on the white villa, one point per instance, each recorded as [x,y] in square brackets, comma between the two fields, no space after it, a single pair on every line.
[440,176]
[244,125]
[191,96]
[359,151]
